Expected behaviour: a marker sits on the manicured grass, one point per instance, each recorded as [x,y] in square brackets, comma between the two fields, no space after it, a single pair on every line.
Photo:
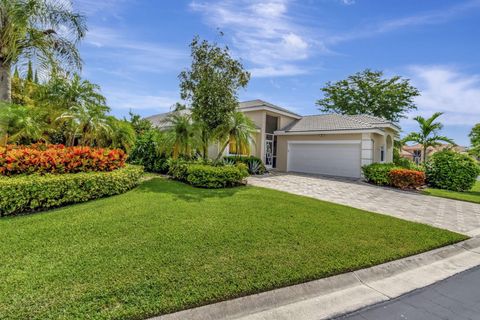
[166,246]
[470,196]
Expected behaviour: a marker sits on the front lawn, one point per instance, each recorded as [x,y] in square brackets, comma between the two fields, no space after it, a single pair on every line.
[470,196]
[167,246]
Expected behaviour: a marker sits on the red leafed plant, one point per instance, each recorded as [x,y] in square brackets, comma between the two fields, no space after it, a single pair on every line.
[407,179]
[41,159]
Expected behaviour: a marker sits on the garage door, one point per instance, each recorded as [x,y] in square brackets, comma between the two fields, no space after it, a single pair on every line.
[334,158]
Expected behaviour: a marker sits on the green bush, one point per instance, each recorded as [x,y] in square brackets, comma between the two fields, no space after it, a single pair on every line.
[148,153]
[378,173]
[20,194]
[208,176]
[254,164]
[452,171]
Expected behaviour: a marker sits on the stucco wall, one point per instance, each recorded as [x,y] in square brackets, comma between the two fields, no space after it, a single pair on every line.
[282,144]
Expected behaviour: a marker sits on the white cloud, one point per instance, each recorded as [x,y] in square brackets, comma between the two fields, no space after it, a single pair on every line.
[448,90]
[347,2]
[125,100]
[262,32]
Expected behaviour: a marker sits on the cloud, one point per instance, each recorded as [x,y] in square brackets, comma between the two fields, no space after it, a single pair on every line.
[141,102]
[92,7]
[446,89]
[262,32]
[134,55]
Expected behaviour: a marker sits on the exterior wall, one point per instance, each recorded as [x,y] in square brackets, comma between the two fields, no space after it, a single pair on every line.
[382,140]
[282,144]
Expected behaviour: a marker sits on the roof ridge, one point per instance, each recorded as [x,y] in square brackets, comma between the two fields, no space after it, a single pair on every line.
[349,117]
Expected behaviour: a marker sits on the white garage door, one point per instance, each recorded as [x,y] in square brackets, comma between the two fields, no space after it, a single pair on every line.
[329,158]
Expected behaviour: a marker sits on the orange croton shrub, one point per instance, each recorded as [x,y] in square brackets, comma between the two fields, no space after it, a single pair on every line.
[41,159]
[407,179]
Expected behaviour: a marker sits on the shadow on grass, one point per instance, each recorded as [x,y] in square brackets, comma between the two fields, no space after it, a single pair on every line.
[185,192]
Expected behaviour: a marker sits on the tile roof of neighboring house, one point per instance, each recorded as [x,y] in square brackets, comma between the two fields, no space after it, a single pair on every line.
[161,120]
[260,103]
[434,149]
[333,122]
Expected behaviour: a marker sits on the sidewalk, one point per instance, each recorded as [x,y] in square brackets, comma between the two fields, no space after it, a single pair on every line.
[333,296]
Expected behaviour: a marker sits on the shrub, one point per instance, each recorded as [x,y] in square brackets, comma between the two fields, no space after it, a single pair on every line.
[254,164]
[37,192]
[208,176]
[378,173]
[452,171]
[408,164]
[148,153]
[43,159]
[406,179]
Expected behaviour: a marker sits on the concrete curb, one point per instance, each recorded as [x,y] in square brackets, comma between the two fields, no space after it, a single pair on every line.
[329,297]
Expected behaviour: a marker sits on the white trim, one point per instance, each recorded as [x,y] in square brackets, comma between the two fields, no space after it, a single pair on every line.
[307,133]
[270,109]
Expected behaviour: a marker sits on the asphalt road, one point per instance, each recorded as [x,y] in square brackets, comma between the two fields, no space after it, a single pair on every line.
[455,298]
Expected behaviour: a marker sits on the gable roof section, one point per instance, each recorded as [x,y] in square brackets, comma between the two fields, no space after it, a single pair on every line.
[258,104]
[337,122]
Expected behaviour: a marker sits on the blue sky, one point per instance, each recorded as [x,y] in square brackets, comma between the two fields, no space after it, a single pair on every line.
[136,48]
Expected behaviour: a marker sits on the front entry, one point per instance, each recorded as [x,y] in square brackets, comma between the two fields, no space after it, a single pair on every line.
[270,157]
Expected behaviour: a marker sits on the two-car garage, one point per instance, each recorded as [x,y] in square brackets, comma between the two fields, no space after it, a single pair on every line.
[335,158]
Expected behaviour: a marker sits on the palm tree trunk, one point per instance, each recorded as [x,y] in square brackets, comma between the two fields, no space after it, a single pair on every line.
[220,153]
[424,154]
[5,82]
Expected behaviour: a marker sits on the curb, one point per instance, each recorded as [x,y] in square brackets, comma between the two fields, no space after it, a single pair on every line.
[348,292]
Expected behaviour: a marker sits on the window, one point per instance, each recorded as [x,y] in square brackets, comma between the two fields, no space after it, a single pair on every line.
[382,154]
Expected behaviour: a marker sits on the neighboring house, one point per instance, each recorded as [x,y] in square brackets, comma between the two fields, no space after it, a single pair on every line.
[415,152]
[329,144]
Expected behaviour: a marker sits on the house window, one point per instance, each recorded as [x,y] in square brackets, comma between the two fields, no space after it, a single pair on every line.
[382,154]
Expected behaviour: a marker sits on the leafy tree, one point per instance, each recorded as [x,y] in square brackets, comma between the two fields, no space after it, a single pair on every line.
[139,124]
[475,141]
[121,135]
[210,86]
[31,29]
[237,132]
[428,134]
[368,92]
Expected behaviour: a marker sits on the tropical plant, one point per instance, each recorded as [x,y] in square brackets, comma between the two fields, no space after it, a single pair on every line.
[237,132]
[210,86]
[45,30]
[475,141]
[368,92]
[21,124]
[121,135]
[428,135]
[182,134]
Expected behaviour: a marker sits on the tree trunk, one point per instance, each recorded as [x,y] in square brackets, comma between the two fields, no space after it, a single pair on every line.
[5,82]
[424,154]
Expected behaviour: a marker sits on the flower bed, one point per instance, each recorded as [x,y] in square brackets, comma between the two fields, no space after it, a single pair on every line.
[19,194]
[43,159]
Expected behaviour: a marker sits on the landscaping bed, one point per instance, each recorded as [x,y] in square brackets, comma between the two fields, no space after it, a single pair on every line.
[166,246]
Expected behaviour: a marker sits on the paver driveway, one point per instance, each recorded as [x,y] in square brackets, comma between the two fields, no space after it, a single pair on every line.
[459,216]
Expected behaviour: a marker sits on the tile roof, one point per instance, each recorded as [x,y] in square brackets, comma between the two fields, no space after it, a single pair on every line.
[260,103]
[332,122]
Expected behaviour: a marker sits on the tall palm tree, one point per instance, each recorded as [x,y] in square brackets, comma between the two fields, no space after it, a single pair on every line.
[44,30]
[237,132]
[428,135]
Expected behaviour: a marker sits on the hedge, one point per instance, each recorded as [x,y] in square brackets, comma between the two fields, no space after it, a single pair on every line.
[406,179]
[43,159]
[208,176]
[452,171]
[378,173]
[20,194]
[254,164]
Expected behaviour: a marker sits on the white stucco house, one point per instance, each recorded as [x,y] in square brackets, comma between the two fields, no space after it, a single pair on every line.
[327,144]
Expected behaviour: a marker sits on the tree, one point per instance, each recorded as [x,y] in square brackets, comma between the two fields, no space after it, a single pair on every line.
[45,30]
[210,86]
[21,124]
[368,92]
[182,132]
[238,132]
[475,141]
[428,134]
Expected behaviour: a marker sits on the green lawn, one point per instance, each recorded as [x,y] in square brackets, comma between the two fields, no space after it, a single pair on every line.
[166,246]
[471,196]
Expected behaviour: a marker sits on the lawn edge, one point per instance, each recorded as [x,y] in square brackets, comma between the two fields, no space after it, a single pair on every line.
[347,292]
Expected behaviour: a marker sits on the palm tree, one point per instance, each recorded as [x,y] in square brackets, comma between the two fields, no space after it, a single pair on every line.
[238,132]
[182,133]
[428,134]
[21,124]
[45,30]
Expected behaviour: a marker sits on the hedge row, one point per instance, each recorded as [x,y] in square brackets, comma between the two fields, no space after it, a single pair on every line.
[389,174]
[21,194]
[254,164]
[208,176]
[43,159]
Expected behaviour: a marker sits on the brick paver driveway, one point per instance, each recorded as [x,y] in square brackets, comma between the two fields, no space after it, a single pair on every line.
[459,216]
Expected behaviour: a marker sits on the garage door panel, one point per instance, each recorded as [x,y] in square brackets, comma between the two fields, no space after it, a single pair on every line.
[329,159]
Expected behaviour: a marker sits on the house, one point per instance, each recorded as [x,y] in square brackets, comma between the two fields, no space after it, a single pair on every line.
[328,144]
[415,152]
